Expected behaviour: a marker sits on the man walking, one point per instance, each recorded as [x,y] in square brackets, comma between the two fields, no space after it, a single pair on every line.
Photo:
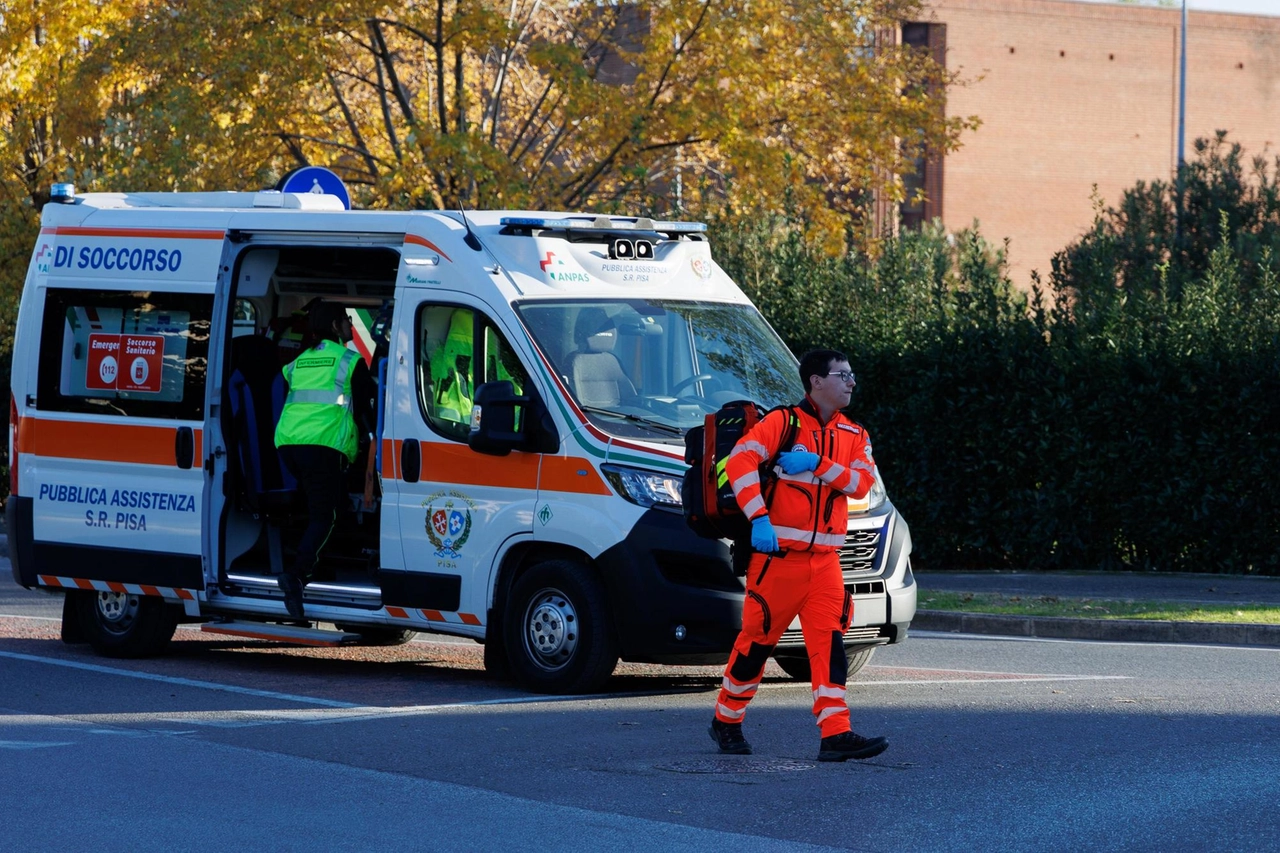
[796,533]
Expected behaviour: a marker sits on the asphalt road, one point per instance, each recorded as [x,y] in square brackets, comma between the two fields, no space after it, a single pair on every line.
[996,744]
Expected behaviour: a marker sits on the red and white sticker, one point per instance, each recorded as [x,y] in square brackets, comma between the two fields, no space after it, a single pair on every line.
[142,357]
[124,363]
[103,363]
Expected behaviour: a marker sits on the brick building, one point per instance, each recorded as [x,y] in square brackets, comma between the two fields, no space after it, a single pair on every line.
[1073,95]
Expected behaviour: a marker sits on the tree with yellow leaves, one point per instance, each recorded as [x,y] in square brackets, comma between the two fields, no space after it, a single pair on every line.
[665,106]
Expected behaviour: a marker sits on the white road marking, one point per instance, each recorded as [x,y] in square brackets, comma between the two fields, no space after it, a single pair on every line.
[342,711]
[984,681]
[1005,638]
[316,716]
[181,682]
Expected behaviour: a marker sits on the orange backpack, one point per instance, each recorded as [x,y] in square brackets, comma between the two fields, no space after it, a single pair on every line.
[710,508]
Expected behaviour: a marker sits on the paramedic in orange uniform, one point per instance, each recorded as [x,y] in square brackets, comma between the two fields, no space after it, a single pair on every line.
[795,567]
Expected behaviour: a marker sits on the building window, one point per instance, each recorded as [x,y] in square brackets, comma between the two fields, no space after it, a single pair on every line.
[923,186]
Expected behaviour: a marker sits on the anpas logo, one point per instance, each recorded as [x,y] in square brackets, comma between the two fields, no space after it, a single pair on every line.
[449,526]
[43,257]
[551,266]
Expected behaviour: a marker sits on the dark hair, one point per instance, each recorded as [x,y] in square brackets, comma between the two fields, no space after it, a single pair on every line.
[817,363]
[322,316]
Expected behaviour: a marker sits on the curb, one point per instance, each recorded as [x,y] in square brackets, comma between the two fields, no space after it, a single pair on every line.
[1131,630]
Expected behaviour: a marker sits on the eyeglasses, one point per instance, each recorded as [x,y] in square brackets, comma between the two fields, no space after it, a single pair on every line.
[845,375]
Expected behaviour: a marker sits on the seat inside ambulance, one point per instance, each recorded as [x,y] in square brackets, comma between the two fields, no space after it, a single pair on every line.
[594,371]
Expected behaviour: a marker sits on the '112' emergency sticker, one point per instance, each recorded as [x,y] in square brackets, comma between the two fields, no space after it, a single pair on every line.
[124,363]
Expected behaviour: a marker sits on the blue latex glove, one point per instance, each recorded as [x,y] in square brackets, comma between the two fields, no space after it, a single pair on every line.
[798,461]
[763,537]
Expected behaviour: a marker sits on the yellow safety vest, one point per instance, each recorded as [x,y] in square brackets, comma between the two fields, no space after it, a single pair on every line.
[318,409]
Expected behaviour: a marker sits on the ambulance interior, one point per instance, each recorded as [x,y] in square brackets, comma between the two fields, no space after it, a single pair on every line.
[264,513]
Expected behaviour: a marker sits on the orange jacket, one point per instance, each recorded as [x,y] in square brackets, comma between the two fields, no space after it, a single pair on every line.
[809,511]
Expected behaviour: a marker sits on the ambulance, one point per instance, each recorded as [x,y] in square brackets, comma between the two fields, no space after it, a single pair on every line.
[535,373]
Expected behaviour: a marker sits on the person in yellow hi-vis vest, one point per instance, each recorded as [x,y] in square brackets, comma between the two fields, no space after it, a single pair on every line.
[329,402]
[451,374]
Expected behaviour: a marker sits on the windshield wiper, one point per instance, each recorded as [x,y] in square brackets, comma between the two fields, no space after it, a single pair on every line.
[649,422]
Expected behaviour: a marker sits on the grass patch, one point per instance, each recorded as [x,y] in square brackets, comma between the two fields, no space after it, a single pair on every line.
[1095,608]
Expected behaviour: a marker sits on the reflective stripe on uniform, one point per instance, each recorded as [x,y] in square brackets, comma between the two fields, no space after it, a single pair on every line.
[832,473]
[751,478]
[746,445]
[753,507]
[831,712]
[323,398]
[796,534]
[739,689]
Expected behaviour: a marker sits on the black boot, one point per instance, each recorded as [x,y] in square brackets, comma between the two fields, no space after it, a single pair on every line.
[848,745]
[728,736]
[291,586]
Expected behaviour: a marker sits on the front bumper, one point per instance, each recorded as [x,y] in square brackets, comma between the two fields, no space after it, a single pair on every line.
[664,580]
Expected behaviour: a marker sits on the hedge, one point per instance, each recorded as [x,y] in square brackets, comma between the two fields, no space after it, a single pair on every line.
[1108,420]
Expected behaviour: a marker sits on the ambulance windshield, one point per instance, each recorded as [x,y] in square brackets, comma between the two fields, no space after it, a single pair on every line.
[653,369]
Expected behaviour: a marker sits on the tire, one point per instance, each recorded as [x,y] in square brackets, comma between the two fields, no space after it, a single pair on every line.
[496,664]
[378,636]
[796,664]
[558,634]
[123,625]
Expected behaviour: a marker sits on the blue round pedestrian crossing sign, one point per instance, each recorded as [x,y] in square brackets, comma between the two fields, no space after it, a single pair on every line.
[315,179]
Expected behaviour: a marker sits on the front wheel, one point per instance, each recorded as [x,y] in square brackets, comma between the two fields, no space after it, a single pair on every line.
[124,625]
[558,635]
[796,664]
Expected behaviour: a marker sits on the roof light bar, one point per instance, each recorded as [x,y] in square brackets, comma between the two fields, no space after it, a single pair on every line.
[602,223]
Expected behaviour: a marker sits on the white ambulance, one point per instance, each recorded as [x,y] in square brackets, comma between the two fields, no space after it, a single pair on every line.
[146,384]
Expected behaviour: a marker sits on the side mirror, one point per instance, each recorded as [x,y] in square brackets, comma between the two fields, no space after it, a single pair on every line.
[502,421]
[493,419]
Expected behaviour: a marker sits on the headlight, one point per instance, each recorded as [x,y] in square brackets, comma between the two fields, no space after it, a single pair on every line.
[877,496]
[873,499]
[646,488]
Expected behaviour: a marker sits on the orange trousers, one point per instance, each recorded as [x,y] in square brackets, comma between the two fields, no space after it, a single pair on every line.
[778,588]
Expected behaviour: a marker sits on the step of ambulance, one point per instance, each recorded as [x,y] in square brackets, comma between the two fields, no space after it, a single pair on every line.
[316,592]
[280,633]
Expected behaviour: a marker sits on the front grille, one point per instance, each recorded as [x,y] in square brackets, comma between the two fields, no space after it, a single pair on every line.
[859,554]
